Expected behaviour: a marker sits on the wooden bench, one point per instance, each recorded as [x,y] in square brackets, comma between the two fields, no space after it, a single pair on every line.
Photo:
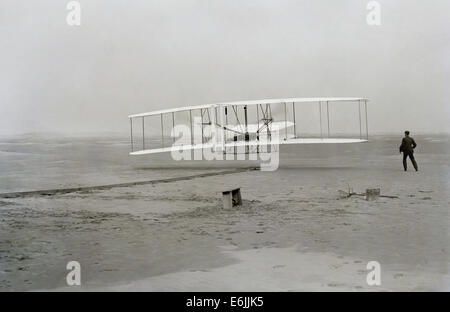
[232,198]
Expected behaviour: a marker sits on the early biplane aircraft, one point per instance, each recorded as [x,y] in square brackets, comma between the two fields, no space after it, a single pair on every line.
[250,124]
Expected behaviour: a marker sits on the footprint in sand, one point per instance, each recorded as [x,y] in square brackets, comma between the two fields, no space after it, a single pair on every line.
[398,275]
[335,284]
[278,266]
[334,266]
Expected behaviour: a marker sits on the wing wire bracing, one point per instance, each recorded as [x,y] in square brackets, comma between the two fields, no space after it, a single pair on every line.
[246,126]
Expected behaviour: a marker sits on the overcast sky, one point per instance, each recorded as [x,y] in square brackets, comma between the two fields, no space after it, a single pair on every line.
[136,56]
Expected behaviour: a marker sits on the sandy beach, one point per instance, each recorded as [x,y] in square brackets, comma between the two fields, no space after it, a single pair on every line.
[294,232]
[123,123]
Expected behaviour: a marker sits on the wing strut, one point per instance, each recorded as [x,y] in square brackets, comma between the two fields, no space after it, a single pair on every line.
[295,128]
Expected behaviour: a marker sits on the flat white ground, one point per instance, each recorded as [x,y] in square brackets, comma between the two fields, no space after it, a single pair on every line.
[292,233]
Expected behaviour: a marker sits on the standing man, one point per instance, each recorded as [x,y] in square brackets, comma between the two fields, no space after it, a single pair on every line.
[407,147]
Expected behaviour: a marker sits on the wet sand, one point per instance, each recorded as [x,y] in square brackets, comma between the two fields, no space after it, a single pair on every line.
[292,233]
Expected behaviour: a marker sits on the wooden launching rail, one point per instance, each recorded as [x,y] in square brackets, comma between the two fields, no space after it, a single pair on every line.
[52,192]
